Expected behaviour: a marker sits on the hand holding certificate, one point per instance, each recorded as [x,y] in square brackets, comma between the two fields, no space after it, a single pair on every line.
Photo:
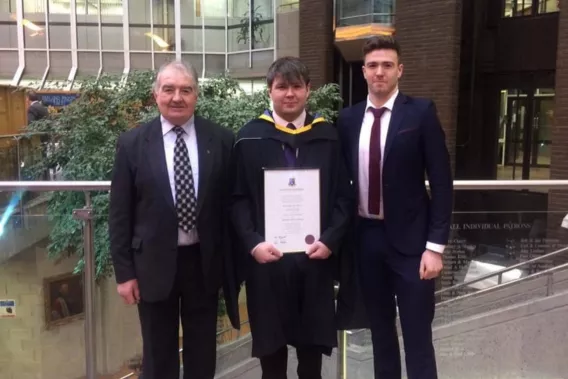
[292,208]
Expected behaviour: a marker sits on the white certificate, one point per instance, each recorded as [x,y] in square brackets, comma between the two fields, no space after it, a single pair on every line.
[292,208]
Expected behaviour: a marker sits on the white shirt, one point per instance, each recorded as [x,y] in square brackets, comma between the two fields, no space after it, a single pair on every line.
[190,139]
[298,123]
[364,150]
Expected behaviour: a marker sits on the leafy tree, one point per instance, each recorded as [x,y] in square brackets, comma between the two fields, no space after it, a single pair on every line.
[83,138]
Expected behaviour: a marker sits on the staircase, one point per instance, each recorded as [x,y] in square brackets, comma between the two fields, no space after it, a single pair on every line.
[515,330]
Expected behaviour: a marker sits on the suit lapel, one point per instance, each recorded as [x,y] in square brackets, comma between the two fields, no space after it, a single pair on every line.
[206,157]
[395,123]
[157,158]
[357,123]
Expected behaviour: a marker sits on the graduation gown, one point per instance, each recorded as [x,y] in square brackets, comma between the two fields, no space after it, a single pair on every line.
[291,301]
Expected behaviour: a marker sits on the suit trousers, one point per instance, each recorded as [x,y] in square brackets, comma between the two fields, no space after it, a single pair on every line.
[275,366]
[389,279]
[160,325]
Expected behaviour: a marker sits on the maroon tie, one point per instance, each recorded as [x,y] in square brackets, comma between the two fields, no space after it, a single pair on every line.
[375,157]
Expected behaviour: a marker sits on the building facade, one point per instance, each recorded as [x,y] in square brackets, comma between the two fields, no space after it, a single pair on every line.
[47,43]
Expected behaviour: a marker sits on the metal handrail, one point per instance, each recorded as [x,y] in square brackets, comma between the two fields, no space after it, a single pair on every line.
[500,272]
[86,214]
[459,185]
[549,284]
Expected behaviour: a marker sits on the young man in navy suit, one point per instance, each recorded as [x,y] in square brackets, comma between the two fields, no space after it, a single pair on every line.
[391,143]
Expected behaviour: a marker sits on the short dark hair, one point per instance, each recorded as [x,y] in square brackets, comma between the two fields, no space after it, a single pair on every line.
[380,43]
[33,96]
[291,69]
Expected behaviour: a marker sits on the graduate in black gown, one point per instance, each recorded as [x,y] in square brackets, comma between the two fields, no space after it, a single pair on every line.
[290,297]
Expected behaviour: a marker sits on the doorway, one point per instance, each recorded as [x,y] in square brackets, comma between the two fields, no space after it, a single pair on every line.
[525,128]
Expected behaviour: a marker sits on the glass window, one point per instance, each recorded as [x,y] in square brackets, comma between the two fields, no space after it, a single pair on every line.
[214,13]
[89,64]
[548,6]
[191,25]
[262,24]
[525,134]
[519,8]
[238,25]
[9,64]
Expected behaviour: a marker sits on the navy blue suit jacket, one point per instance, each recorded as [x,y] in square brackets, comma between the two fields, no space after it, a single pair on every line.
[415,147]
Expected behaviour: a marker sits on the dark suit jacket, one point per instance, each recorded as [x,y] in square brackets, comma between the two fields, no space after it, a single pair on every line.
[143,222]
[37,111]
[415,146]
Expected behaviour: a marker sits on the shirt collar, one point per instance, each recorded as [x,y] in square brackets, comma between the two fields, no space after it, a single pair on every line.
[298,123]
[389,104]
[168,126]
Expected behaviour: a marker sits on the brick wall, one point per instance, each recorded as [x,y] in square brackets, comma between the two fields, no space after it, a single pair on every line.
[429,32]
[316,39]
[558,200]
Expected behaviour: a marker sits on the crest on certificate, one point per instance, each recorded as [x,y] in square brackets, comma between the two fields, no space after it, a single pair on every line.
[291,182]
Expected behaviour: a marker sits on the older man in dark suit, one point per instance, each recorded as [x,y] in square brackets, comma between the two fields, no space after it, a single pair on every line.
[169,227]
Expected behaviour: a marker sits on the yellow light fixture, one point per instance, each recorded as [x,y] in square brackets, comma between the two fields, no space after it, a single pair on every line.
[159,40]
[37,30]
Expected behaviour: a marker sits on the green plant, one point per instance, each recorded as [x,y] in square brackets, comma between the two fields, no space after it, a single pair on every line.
[83,138]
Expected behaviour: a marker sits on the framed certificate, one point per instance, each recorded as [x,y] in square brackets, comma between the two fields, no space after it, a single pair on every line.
[292,208]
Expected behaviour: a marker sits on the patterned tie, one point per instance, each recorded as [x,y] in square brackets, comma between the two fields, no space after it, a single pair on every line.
[375,157]
[289,152]
[186,201]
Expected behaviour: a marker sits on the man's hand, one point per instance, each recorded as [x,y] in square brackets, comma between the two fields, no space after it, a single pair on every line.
[129,292]
[431,265]
[266,252]
[318,250]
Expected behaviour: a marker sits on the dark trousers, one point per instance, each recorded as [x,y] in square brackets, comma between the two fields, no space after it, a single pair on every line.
[275,366]
[384,274]
[160,325]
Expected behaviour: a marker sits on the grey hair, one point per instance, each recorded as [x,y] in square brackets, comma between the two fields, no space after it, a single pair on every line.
[181,66]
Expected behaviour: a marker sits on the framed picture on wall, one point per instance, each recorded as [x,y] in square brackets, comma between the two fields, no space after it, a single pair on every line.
[64,301]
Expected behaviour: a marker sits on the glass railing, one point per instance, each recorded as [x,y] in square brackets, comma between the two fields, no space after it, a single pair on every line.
[506,257]
[360,12]
[59,324]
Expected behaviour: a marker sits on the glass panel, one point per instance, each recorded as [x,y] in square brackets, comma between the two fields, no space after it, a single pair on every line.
[238,25]
[112,37]
[139,12]
[34,26]
[196,61]
[214,64]
[113,63]
[163,58]
[214,12]
[525,138]
[8,31]
[238,61]
[141,61]
[191,25]
[41,300]
[542,133]
[548,6]
[60,66]
[87,26]
[517,8]
[89,64]
[288,6]
[262,59]
[111,11]
[262,24]
[513,123]
[59,37]
[36,63]
[9,64]
[502,325]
